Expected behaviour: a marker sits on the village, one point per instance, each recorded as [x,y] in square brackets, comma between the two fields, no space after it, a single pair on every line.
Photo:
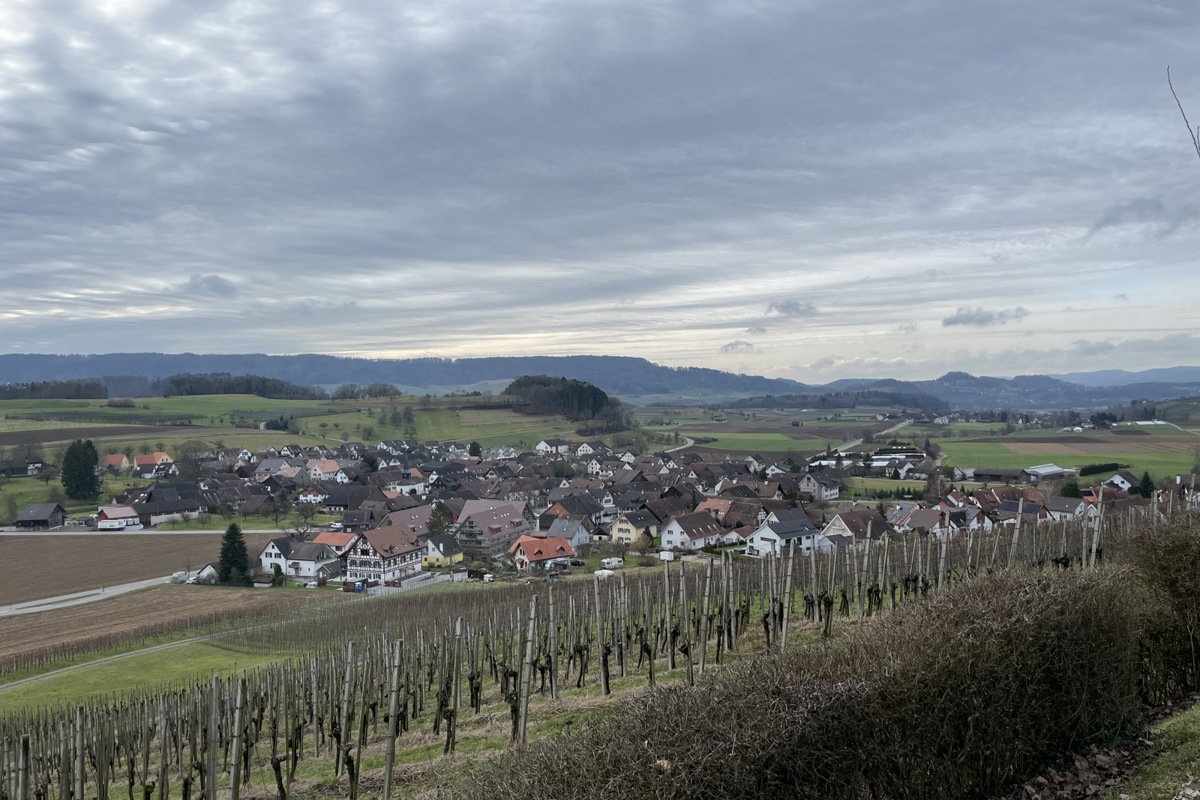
[400,513]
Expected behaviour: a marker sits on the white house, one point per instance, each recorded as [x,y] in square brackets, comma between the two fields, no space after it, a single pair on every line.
[326,469]
[573,530]
[691,532]
[1124,481]
[821,486]
[1063,508]
[785,530]
[299,559]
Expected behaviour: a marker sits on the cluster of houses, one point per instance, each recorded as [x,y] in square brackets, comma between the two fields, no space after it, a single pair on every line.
[434,505]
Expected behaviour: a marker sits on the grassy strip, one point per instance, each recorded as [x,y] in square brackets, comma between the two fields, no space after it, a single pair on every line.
[169,667]
[1000,455]
[756,442]
[1173,763]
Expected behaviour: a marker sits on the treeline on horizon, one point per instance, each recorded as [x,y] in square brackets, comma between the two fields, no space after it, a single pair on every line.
[87,389]
[619,375]
[175,386]
[919,401]
[224,383]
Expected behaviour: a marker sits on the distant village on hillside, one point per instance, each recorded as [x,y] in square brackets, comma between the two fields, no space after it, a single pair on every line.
[399,512]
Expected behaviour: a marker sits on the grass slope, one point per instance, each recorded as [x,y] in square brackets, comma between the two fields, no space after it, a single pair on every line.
[1173,764]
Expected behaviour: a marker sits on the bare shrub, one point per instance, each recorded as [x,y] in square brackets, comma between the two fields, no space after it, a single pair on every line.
[953,696]
[1166,556]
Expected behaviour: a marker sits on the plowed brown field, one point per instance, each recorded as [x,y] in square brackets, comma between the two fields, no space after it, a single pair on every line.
[33,567]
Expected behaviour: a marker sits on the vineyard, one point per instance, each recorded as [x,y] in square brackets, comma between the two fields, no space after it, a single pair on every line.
[458,675]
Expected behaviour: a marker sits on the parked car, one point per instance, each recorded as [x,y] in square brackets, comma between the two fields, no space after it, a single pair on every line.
[576,562]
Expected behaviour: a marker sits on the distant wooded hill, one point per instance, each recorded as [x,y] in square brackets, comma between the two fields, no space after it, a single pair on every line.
[133,374]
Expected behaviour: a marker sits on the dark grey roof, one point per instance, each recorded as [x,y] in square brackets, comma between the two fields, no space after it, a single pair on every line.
[39,512]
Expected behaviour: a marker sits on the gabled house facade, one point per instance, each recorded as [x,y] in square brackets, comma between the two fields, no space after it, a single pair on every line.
[691,532]
[820,486]
[387,555]
[536,553]
[490,532]
[299,559]
[441,551]
[633,526]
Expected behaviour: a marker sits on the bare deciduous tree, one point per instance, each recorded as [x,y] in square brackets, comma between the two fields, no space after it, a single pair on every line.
[1193,132]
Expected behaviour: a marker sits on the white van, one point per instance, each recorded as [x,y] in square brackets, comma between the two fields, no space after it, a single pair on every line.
[612,563]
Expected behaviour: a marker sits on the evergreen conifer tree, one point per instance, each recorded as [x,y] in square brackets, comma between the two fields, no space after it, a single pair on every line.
[233,568]
[78,471]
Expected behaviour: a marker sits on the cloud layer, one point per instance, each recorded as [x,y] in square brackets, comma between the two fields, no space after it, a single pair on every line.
[656,179]
[981,317]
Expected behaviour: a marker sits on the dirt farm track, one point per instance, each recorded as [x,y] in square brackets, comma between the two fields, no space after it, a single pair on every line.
[33,567]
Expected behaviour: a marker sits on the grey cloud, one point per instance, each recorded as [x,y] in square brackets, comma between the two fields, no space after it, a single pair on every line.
[1124,298]
[1084,348]
[981,317]
[791,308]
[1143,209]
[1167,218]
[737,346]
[756,330]
[212,285]
[312,308]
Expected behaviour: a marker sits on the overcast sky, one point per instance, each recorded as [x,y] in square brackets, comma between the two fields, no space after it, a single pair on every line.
[811,190]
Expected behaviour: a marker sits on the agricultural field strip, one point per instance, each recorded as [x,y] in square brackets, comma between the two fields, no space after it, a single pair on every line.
[214,636]
[77,598]
[96,662]
[90,561]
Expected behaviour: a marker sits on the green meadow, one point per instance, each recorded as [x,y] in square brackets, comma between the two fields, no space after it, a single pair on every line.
[172,665]
[756,442]
[1160,465]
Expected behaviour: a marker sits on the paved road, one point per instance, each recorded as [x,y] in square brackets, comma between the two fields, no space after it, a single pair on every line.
[82,531]
[78,598]
[857,442]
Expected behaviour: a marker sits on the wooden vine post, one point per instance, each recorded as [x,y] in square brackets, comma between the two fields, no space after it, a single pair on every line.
[235,778]
[787,595]
[1016,537]
[685,626]
[706,605]
[601,640]
[552,646]
[211,740]
[527,672]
